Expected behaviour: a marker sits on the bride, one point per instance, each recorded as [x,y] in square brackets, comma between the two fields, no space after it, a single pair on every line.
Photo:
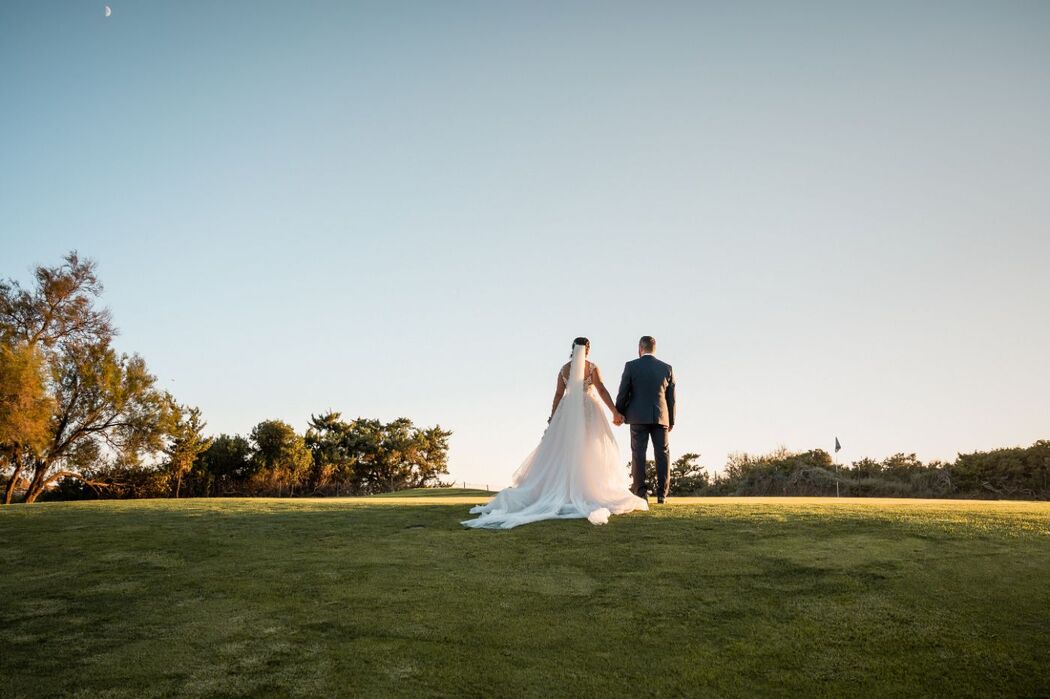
[575,470]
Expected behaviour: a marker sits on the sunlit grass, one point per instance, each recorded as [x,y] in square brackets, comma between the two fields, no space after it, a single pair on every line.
[452,495]
[370,596]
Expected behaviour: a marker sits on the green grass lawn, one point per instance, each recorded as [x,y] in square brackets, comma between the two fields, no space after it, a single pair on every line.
[390,596]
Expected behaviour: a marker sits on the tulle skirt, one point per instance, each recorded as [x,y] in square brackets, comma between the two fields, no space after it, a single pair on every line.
[574,472]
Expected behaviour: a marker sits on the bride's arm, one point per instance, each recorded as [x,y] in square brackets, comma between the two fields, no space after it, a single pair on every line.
[603,393]
[558,393]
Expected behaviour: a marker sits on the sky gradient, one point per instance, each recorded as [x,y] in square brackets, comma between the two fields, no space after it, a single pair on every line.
[832,216]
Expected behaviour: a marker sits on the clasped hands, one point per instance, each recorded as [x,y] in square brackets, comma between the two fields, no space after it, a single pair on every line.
[617,418]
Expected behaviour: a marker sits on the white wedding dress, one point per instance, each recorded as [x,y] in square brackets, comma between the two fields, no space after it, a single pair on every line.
[574,472]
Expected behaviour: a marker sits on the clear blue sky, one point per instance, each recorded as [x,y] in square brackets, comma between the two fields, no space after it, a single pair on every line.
[833,216]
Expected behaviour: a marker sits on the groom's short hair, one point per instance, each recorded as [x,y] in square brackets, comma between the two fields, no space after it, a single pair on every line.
[647,343]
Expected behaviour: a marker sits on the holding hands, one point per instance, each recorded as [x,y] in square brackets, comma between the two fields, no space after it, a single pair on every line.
[617,417]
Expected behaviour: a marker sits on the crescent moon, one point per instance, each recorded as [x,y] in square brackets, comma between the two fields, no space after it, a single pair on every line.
[108,11]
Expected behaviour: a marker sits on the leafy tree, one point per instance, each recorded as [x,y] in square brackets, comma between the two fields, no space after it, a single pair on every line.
[400,455]
[900,466]
[867,468]
[280,454]
[225,465]
[105,404]
[686,476]
[25,408]
[58,310]
[325,438]
[187,443]
[369,456]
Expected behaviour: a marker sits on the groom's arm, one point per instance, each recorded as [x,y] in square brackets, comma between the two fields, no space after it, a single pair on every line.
[623,396]
[669,397]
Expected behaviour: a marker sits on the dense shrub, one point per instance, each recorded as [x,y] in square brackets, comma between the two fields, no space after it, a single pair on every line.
[1021,473]
[1008,473]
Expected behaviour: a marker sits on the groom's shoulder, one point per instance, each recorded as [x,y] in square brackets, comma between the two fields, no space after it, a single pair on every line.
[662,364]
[649,358]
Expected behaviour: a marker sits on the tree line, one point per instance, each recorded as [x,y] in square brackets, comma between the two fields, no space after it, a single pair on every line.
[333,457]
[1010,473]
[80,419]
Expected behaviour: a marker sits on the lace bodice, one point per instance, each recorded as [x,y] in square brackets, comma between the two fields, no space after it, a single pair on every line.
[588,376]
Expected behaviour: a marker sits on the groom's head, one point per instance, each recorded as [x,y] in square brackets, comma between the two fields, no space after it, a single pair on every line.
[647,345]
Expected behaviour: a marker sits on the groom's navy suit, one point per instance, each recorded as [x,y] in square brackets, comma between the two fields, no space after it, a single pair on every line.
[646,400]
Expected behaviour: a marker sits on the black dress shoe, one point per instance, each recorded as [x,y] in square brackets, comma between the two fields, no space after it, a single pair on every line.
[659,501]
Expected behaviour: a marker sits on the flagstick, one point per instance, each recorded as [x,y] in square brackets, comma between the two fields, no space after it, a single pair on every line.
[838,447]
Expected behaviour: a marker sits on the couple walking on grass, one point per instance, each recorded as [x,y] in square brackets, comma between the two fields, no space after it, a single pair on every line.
[575,470]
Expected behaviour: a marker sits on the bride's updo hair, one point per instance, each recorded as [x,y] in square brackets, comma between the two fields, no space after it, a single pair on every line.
[580,341]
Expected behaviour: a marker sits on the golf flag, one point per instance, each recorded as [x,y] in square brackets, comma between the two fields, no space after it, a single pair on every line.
[837,445]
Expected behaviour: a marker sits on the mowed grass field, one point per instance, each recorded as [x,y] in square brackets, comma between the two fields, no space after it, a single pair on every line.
[391,597]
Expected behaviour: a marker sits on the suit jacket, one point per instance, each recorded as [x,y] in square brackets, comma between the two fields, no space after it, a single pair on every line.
[646,395]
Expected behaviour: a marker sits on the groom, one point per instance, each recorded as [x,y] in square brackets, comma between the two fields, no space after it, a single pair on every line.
[646,401]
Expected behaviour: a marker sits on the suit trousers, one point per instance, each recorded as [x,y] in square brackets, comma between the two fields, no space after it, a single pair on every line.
[640,436]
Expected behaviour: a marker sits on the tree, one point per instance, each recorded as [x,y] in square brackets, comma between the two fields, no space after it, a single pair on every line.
[104,404]
[369,456]
[60,309]
[687,476]
[430,457]
[187,443]
[226,463]
[25,408]
[331,462]
[397,455]
[280,454]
